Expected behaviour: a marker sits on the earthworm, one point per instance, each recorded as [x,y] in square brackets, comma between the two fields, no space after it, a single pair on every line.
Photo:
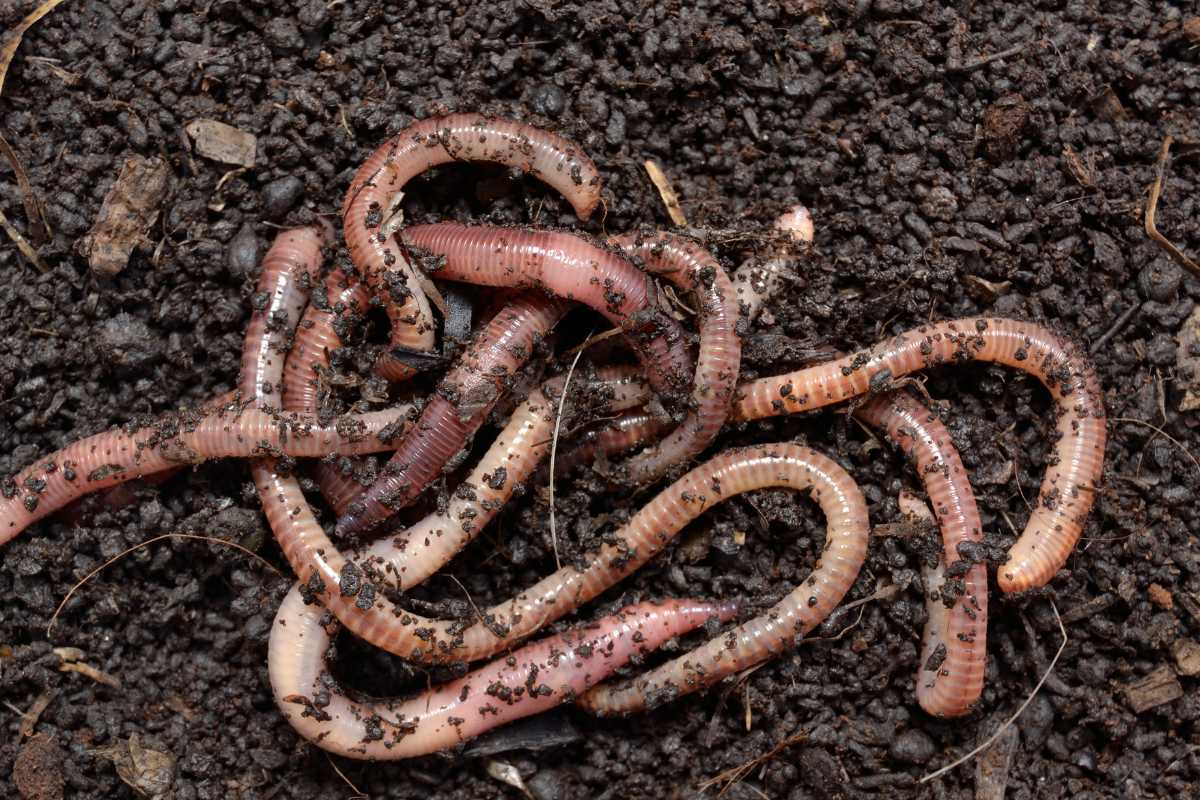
[289,270]
[568,266]
[187,437]
[755,284]
[347,587]
[799,612]
[1073,476]
[379,182]
[626,432]
[954,646]
[530,680]
[692,268]
[456,409]
[725,475]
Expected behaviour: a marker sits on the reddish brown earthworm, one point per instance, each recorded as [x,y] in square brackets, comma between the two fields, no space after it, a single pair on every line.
[954,647]
[725,475]
[181,438]
[631,429]
[693,269]
[377,185]
[757,284]
[1073,476]
[799,612]
[347,587]
[572,267]
[317,336]
[534,678]
[457,408]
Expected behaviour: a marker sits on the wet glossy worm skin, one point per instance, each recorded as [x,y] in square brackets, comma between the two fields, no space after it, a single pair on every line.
[456,409]
[534,678]
[631,429]
[317,336]
[799,612]
[572,267]
[954,647]
[348,588]
[183,438]
[757,284]
[725,475]
[1071,480]
[693,269]
[421,146]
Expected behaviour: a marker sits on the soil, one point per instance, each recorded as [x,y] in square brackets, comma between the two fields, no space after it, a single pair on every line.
[941,187]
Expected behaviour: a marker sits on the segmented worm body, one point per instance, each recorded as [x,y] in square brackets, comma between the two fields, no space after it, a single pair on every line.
[457,408]
[532,679]
[572,267]
[631,429]
[724,476]
[954,646]
[344,299]
[693,269]
[754,284]
[1072,478]
[379,182]
[777,630]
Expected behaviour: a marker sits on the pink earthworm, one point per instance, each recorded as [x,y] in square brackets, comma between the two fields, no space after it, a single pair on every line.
[692,268]
[758,284]
[631,429]
[954,649]
[799,612]
[182,438]
[725,475]
[348,587]
[1074,474]
[457,408]
[572,267]
[532,679]
[425,144]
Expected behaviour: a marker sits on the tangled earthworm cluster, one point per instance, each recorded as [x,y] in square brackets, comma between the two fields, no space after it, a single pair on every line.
[671,407]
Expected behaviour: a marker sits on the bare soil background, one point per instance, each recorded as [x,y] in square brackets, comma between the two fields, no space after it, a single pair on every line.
[940,188]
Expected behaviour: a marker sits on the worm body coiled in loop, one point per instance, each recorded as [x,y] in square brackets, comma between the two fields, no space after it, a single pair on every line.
[568,266]
[532,679]
[371,201]
[693,269]
[954,645]
[734,472]
[1072,478]
[456,408]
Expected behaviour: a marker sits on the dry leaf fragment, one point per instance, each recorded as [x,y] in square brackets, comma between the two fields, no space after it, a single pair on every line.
[222,142]
[148,772]
[129,209]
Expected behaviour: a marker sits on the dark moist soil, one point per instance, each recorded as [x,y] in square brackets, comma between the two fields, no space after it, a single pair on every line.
[940,188]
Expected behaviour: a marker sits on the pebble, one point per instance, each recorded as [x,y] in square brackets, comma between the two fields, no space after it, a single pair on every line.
[242,254]
[913,747]
[280,195]
[129,344]
[548,100]
[283,35]
[1159,280]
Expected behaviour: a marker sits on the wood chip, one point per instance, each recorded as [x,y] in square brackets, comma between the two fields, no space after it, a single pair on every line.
[222,142]
[99,676]
[666,192]
[1187,657]
[150,773]
[1085,610]
[1157,688]
[1160,596]
[29,719]
[22,244]
[1152,210]
[1188,365]
[12,40]
[129,210]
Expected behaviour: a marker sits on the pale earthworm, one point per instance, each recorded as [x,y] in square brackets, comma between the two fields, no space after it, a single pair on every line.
[532,679]
[185,438]
[456,408]
[635,543]
[377,185]
[954,646]
[347,587]
[572,267]
[757,284]
[1074,473]
[693,269]
[806,606]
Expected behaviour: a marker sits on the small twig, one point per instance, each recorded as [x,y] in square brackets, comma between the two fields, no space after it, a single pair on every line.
[734,775]
[1162,433]
[14,36]
[39,229]
[666,191]
[588,342]
[140,545]
[983,62]
[1120,323]
[359,794]
[29,719]
[562,400]
[1152,210]
[991,739]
